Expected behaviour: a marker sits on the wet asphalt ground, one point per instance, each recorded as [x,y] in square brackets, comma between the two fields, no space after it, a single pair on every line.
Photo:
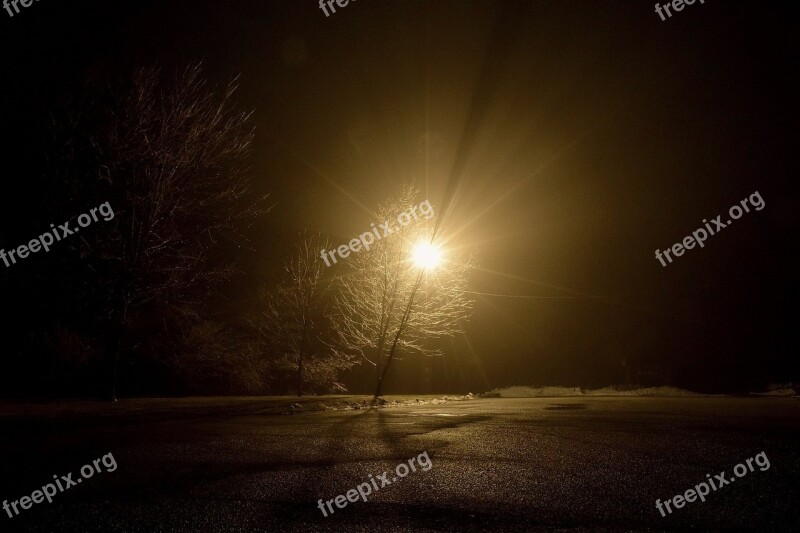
[577,463]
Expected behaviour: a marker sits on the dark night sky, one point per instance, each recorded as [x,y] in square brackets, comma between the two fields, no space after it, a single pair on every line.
[576,137]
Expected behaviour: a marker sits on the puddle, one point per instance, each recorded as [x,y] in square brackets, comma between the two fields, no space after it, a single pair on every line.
[565,406]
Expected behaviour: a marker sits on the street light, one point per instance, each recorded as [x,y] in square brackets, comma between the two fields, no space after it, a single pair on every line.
[426,256]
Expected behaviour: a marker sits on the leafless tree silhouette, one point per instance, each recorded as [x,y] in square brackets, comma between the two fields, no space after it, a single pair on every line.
[385,304]
[171,158]
[294,319]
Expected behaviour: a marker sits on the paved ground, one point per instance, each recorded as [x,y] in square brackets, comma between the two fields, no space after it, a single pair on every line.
[498,465]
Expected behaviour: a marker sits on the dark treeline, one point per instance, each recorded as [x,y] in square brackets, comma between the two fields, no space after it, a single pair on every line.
[145,299]
[126,303]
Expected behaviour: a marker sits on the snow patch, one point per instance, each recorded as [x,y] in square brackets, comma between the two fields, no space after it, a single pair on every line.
[779,389]
[645,391]
[381,403]
[543,392]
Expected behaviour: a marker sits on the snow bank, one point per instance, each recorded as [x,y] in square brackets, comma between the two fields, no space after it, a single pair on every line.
[537,392]
[777,392]
[779,389]
[368,403]
[532,392]
[646,391]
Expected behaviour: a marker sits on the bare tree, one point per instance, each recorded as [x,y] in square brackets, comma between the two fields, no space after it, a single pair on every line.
[170,159]
[294,316]
[386,304]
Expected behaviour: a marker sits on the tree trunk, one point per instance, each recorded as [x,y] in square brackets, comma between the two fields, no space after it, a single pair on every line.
[300,359]
[116,328]
[378,368]
[300,376]
[381,342]
[112,348]
[379,389]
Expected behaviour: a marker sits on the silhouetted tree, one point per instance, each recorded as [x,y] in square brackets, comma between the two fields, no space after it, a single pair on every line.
[169,157]
[294,316]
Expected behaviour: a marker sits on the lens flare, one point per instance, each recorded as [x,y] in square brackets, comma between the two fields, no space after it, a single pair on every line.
[426,255]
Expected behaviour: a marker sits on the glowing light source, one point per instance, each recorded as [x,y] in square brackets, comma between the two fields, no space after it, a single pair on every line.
[426,255]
